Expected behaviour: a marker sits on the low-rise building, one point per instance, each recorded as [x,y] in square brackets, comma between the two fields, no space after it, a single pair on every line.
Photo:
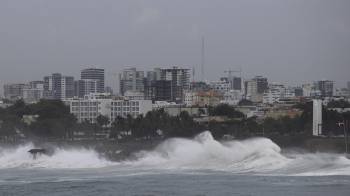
[33,92]
[13,91]
[232,97]
[163,104]
[278,93]
[203,98]
[221,86]
[277,113]
[340,110]
[93,105]
[343,92]
[4,104]
[134,95]
[247,110]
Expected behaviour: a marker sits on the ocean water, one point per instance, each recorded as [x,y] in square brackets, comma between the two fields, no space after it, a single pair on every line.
[198,166]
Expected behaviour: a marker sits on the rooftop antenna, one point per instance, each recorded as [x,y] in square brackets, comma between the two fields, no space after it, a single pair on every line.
[202,59]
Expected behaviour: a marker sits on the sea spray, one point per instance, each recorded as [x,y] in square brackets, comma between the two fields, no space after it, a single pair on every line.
[19,157]
[254,156]
[202,153]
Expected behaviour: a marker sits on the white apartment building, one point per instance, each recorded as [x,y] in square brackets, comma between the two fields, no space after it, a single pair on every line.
[251,89]
[232,97]
[131,80]
[307,90]
[276,92]
[13,91]
[164,104]
[189,98]
[220,86]
[93,105]
[58,86]
[33,94]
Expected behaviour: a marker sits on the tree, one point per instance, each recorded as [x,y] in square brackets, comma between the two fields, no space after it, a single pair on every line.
[102,120]
[225,110]
[305,119]
[338,104]
[55,119]
[245,102]
[118,126]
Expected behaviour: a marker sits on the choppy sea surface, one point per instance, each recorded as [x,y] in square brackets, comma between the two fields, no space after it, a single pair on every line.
[198,166]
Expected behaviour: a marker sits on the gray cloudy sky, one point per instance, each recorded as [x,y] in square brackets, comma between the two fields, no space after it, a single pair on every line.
[291,41]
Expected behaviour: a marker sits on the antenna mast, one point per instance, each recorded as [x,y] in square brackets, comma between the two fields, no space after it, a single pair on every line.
[202,59]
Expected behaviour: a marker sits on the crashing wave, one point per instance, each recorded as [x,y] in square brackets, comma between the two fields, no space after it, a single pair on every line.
[251,156]
[258,156]
[61,158]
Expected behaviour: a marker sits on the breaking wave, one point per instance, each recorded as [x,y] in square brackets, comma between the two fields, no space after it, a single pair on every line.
[257,156]
[61,158]
[202,153]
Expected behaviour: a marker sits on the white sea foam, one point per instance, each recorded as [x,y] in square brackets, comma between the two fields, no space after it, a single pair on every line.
[61,158]
[258,156]
[252,156]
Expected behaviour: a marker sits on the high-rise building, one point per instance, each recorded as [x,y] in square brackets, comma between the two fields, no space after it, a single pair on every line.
[36,84]
[57,86]
[159,85]
[96,74]
[13,91]
[33,92]
[85,87]
[349,85]
[298,91]
[131,80]
[180,81]
[278,93]
[236,83]
[262,84]
[325,87]
[307,89]
[199,86]
[154,75]
[162,90]
[150,83]
[221,86]
[109,90]
[250,87]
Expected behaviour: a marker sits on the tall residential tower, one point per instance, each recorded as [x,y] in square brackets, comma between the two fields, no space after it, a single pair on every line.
[57,86]
[96,74]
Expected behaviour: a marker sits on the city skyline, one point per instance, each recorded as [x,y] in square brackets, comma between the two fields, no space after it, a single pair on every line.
[286,41]
[116,85]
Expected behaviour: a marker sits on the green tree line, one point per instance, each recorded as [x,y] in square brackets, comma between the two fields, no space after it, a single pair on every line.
[54,120]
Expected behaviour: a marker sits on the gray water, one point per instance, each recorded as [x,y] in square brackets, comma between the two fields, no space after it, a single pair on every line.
[104,182]
[201,166]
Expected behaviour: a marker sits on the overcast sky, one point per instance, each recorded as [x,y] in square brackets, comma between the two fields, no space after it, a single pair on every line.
[291,41]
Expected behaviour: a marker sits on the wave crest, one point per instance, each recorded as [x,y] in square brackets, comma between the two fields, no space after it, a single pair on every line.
[61,158]
[257,155]
[203,152]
